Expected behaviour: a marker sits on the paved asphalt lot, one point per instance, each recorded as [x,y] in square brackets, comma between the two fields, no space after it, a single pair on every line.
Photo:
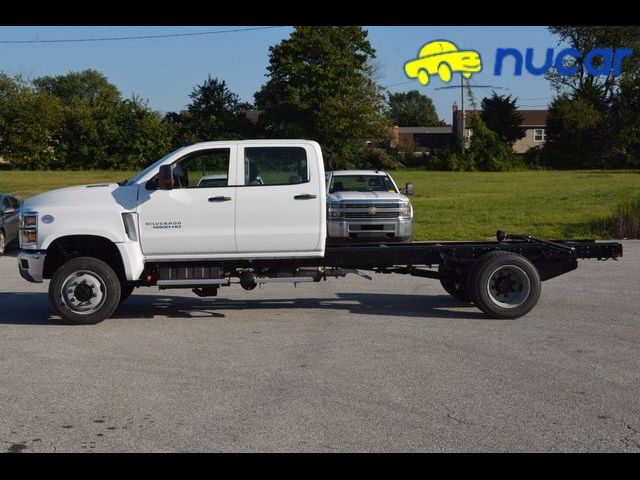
[346,365]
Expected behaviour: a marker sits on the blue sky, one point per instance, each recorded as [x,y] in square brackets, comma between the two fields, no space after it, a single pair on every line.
[164,71]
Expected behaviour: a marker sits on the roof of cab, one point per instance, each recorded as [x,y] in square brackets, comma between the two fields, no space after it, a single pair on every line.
[261,141]
[339,173]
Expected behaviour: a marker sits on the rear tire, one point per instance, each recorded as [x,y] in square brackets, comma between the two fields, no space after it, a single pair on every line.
[84,291]
[504,285]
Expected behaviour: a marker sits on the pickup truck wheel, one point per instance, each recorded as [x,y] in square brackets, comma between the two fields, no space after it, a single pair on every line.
[504,285]
[456,287]
[125,291]
[84,290]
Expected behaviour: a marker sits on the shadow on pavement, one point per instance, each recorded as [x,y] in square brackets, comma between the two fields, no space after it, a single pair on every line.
[24,308]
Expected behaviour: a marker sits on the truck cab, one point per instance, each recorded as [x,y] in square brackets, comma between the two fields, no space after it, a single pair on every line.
[267,201]
[194,217]
[367,206]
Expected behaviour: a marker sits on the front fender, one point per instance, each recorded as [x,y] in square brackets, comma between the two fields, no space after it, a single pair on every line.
[47,238]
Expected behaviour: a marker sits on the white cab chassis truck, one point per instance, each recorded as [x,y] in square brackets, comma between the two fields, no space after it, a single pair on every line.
[167,227]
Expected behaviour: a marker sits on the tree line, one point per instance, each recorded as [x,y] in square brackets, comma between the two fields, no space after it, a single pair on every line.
[321,85]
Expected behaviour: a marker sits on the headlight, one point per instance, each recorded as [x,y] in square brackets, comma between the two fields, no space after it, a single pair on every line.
[28,229]
[406,210]
[333,210]
[29,220]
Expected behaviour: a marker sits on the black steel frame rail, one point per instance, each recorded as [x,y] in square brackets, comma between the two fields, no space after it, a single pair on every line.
[432,253]
[551,257]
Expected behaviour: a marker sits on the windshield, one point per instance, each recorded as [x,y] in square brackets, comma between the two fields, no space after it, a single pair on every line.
[150,168]
[362,183]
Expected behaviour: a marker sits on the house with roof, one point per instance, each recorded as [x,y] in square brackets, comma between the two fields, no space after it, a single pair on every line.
[427,139]
[533,121]
[422,139]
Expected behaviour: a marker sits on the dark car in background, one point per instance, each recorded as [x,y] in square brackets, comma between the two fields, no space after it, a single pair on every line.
[9,219]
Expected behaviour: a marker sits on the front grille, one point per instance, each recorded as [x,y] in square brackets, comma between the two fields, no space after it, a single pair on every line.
[366,214]
[369,205]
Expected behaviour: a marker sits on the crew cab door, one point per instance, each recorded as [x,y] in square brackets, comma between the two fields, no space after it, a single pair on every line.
[195,219]
[280,204]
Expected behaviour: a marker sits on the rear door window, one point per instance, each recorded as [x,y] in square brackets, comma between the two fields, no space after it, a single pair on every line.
[275,166]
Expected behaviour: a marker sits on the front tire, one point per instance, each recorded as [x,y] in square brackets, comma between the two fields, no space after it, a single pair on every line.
[84,291]
[504,285]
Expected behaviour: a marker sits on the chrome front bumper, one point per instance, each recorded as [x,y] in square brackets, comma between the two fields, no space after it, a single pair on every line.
[31,264]
[398,228]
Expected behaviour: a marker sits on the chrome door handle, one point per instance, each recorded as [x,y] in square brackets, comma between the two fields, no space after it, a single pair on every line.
[219,199]
[306,196]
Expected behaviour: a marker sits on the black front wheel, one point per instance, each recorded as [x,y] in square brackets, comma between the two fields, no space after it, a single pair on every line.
[504,285]
[84,290]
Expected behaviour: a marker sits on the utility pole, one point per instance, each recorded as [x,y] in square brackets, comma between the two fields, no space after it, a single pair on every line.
[462,87]
[462,109]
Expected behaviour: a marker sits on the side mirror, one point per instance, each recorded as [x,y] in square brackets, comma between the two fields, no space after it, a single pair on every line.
[408,189]
[165,178]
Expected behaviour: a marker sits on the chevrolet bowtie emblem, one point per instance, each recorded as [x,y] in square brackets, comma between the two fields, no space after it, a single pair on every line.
[372,210]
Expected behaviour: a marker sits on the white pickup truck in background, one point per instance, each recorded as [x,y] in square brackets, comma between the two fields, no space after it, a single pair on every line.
[367,206]
[251,212]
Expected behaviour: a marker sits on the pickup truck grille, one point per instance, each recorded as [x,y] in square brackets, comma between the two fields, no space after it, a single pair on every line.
[367,205]
[369,210]
[366,214]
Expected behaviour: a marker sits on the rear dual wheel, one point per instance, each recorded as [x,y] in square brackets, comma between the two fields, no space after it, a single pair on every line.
[504,285]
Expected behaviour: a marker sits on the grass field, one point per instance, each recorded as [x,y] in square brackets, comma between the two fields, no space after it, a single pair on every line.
[455,205]
[553,204]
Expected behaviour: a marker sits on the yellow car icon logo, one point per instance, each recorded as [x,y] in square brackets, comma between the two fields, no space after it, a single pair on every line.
[443,58]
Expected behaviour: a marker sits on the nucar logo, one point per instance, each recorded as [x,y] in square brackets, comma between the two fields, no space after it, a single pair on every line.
[609,61]
[444,58]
